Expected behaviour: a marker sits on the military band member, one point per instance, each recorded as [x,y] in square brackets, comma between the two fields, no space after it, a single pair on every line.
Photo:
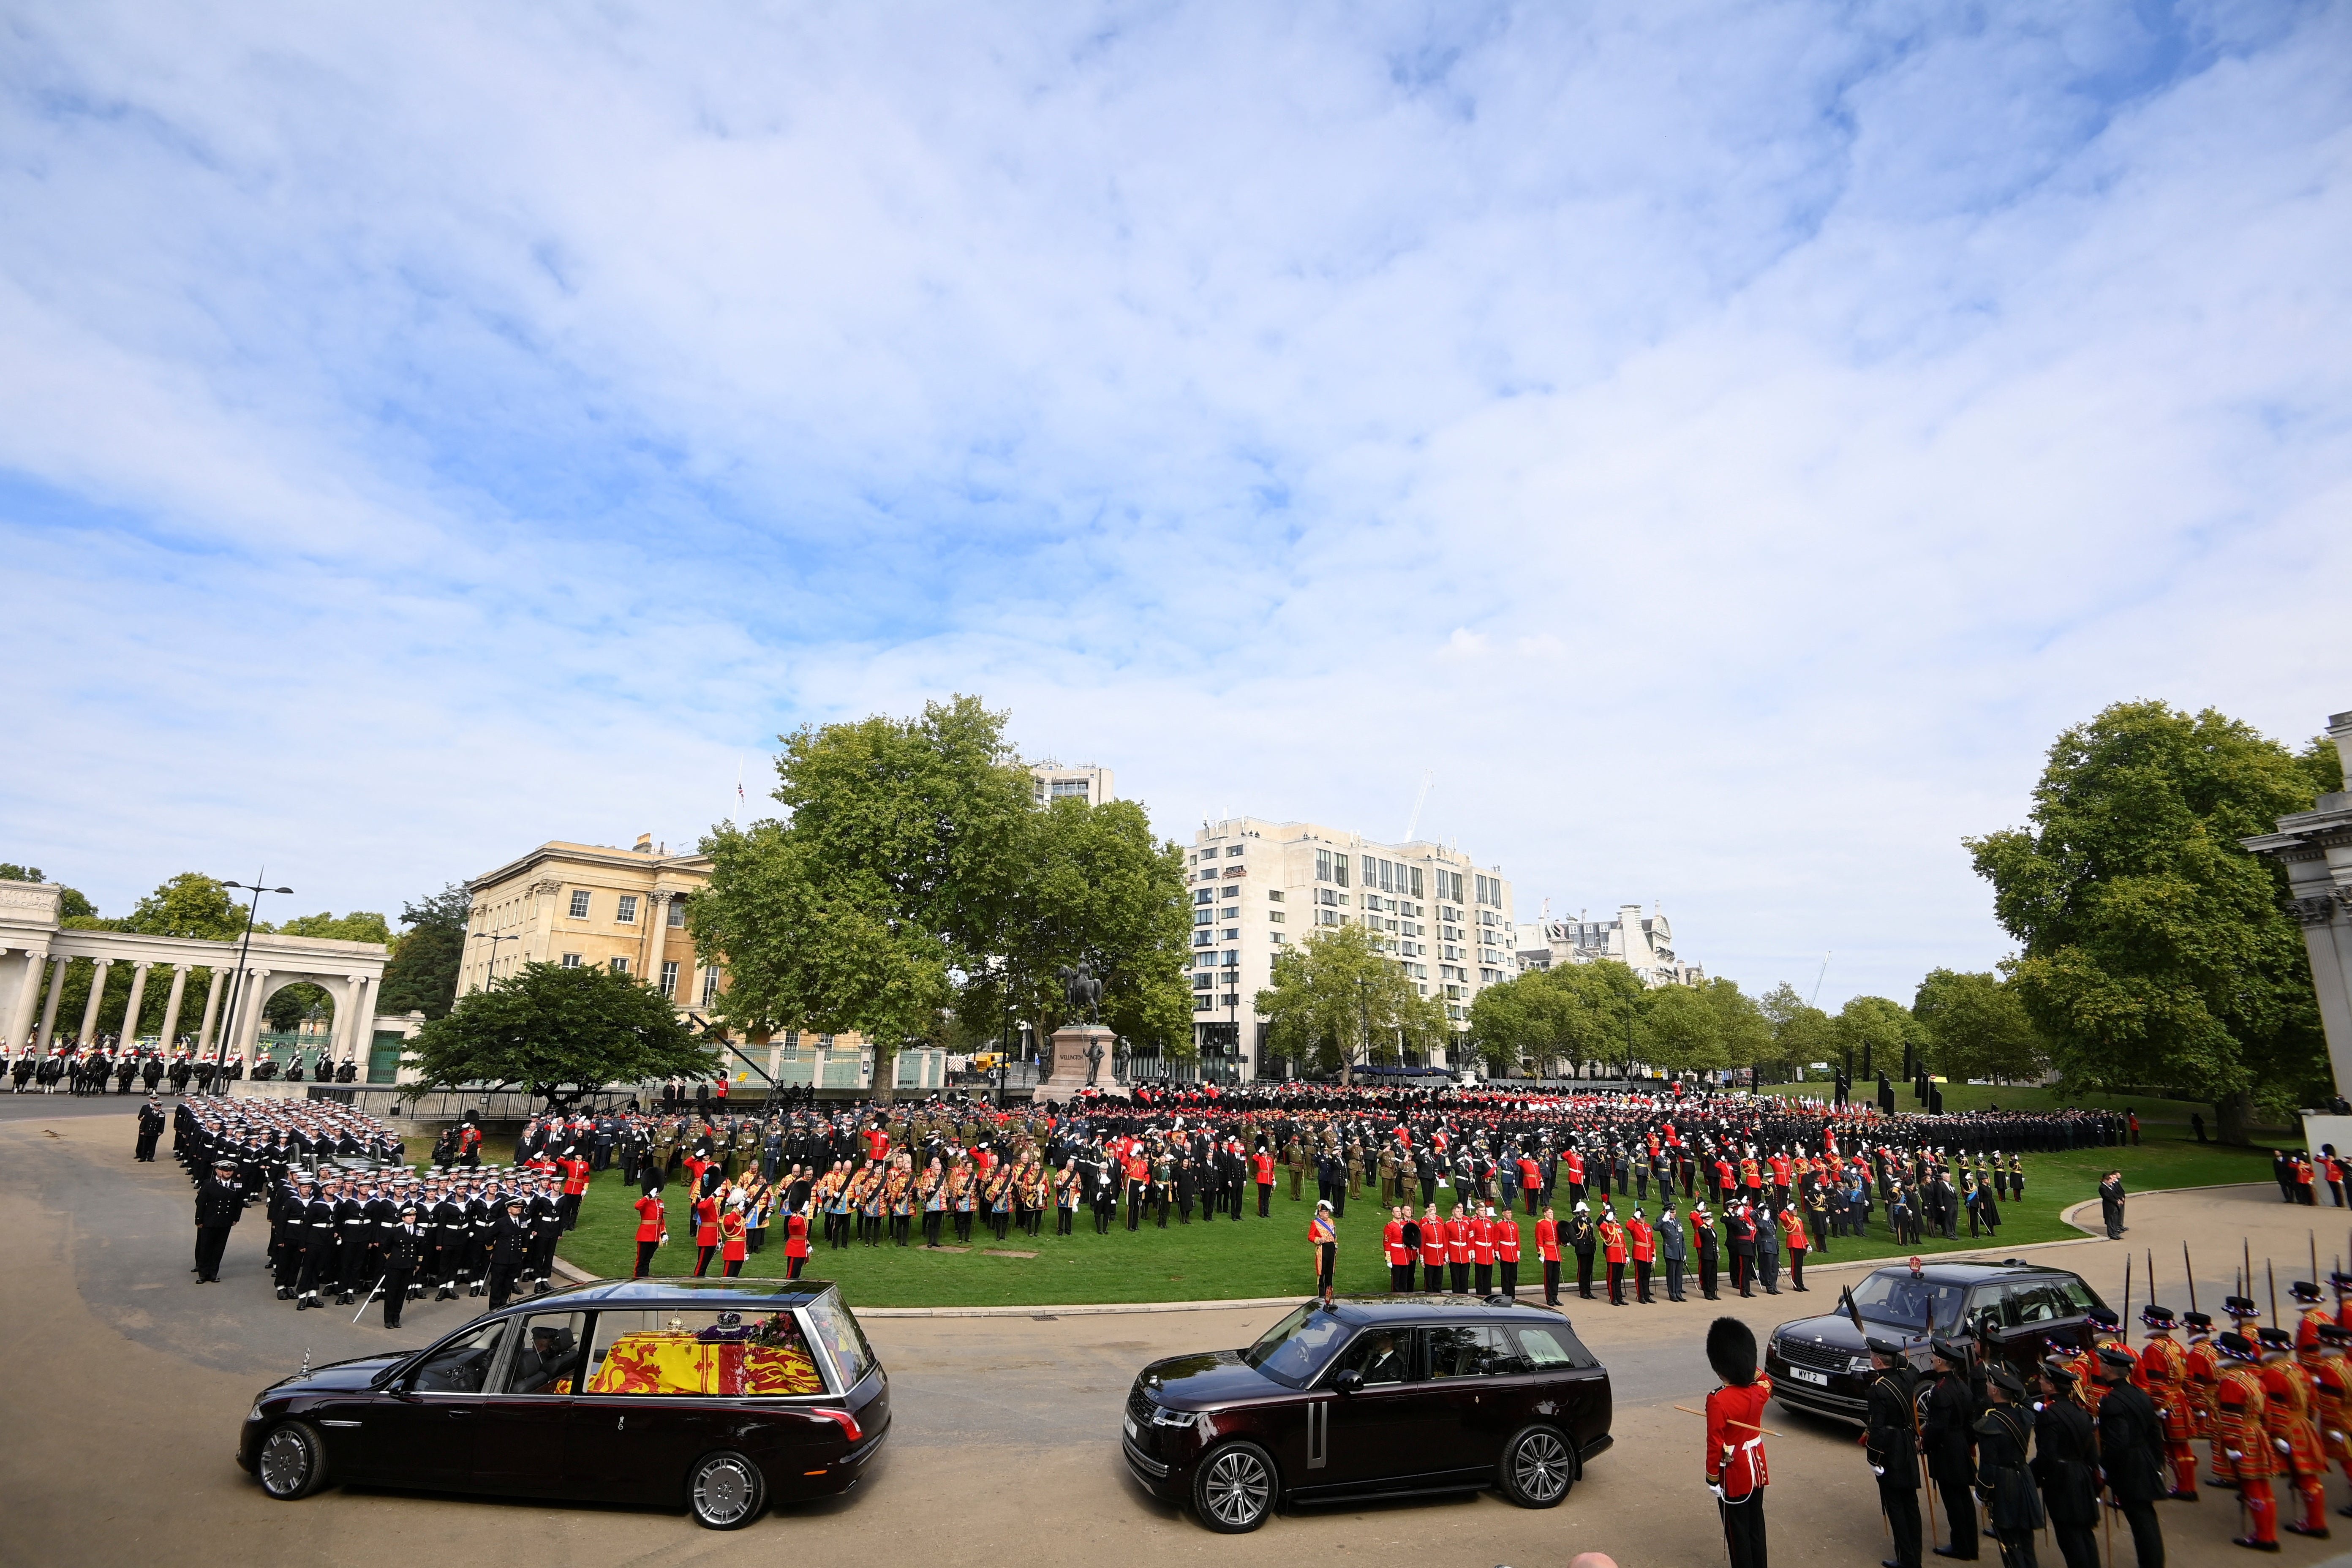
[2004,1481]
[2065,1461]
[1547,1249]
[1734,1464]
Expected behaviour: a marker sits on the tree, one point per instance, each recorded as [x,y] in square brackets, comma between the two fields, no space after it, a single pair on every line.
[1338,999]
[421,975]
[1745,1037]
[892,881]
[1598,1015]
[1977,1027]
[1679,1030]
[558,1034]
[1870,1032]
[1093,884]
[2155,949]
[190,904]
[1802,1033]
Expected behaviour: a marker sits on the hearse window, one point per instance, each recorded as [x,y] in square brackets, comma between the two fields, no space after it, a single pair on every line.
[2080,1298]
[1893,1295]
[1469,1352]
[664,1351]
[1546,1349]
[2034,1301]
[1381,1356]
[461,1366]
[853,1358]
[1292,1351]
[545,1357]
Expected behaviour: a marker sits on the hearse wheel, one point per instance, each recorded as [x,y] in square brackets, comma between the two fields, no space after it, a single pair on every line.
[1538,1467]
[726,1492]
[293,1461]
[1232,1490]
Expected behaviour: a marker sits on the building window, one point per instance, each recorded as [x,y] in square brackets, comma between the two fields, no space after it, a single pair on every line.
[580,904]
[710,986]
[1274,895]
[1234,891]
[620,966]
[1203,917]
[1279,937]
[571,961]
[1204,1003]
[1340,869]
[676,912]
[1273,915]
[1203,937]
[628,915]
[1232,850]
[1416,880]
[1232,935]
[1204,896]
[1204,981]
[1322,865]
[669,977]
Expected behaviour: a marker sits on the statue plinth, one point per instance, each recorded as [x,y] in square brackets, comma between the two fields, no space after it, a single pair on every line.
[1069,1065]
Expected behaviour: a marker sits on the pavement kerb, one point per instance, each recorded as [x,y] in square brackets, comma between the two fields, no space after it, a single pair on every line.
[577,1277]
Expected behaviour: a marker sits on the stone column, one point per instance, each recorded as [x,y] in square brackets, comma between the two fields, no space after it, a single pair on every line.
[90,1008]
[657,911]
[28,998]
[130,1007]
[172,1009]
[212,1012]
[360,1031]
[49,1008]
[249,1021]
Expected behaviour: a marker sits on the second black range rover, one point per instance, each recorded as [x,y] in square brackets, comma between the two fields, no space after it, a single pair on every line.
[1380,1397]
[2013,1309]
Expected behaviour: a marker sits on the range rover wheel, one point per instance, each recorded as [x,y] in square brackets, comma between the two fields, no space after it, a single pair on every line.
[726,1492]
[1538,1467]
[293,1461]
[1232,1490]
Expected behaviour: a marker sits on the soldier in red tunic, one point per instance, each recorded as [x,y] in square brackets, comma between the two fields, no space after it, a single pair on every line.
[1736,1470]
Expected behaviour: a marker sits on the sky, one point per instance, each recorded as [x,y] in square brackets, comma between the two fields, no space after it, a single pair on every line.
[1719,446]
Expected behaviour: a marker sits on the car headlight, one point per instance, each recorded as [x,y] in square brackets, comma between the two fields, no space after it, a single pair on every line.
[1162,1416]
[1859,1364]
[254,1414]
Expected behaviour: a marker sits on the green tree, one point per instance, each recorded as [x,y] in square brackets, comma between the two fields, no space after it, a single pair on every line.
[558,1034]
[2155,949]
[892,881]
[1870,1032]
[190,904]
[421,975]
[1679,1030]
[1802,1033]
[1338,999]
[1093,884]
[1977,1027]
[1744,1035]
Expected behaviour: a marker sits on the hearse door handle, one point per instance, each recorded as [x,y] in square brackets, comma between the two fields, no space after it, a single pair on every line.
[460,1412]
[621,1425]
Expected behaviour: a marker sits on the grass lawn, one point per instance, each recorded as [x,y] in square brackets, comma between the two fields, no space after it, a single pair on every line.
[1255,1257]
[2154,1113]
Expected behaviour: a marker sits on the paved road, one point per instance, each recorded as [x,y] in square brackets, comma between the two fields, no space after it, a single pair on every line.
[133,1379]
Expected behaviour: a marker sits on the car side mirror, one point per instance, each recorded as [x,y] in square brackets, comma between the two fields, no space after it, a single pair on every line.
[1350,1380]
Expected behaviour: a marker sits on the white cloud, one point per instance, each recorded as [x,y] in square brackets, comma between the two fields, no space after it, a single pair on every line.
[1724,443]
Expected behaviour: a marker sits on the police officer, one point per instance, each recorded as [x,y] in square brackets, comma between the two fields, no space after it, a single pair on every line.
[1949,1439]
[1891,1441]
[220,1204]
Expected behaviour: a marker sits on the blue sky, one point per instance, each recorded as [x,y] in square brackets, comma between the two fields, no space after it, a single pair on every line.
[1724,443]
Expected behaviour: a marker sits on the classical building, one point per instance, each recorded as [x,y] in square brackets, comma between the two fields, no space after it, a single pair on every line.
[1644,943]
[2316,846]
[228,1013]
[1258,885]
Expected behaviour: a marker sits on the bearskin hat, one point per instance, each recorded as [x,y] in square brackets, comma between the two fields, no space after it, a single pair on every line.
[1731,1351]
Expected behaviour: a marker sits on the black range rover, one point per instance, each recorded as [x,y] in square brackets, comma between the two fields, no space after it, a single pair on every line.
[2012,1309]
[1383,1397]
[721,1395]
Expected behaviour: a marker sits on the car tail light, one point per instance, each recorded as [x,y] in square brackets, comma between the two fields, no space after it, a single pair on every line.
[849,1426]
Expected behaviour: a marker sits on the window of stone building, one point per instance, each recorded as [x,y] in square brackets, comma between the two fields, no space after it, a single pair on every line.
[620,966]
[628,915]
[571,961]
[678,911]
[669,977]
[580,904]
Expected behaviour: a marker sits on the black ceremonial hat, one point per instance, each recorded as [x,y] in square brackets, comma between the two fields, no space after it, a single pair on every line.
[1731,1351]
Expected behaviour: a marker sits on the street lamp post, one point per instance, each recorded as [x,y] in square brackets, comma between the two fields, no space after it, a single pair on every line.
[244,947]
[491,972]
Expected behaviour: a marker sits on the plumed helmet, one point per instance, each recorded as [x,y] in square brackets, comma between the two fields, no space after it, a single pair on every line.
[1731,1351]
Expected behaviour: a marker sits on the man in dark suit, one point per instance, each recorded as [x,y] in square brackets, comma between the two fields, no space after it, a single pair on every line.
[2131,1450]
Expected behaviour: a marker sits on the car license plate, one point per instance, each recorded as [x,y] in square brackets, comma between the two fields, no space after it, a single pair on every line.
[1804,1374]
[1130,1429]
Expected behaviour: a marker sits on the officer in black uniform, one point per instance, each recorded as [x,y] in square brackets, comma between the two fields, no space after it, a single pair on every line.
[2004,1481]
[1950,1438]
[151,1128]
[510,1244]
[2065,1461]
[1891,1443]
[2131,1450]
[220,1204]
[404,1255]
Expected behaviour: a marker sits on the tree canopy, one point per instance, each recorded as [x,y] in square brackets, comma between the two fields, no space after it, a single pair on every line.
[1338,1000]
[916,884]
[2155,949]
[1977,1027]
[421,975]
[1871,1033]
[558,1034]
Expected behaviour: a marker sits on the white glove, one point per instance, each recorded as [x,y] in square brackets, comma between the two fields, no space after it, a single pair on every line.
[1877,1470]
[1716,1490]
[2234,1454]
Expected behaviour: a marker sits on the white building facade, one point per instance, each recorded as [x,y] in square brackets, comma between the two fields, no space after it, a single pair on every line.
[1258,887]
[1644,943]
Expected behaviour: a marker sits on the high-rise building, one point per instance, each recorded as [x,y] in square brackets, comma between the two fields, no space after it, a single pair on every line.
[1644,943]
[1258,885]
[1085,781]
